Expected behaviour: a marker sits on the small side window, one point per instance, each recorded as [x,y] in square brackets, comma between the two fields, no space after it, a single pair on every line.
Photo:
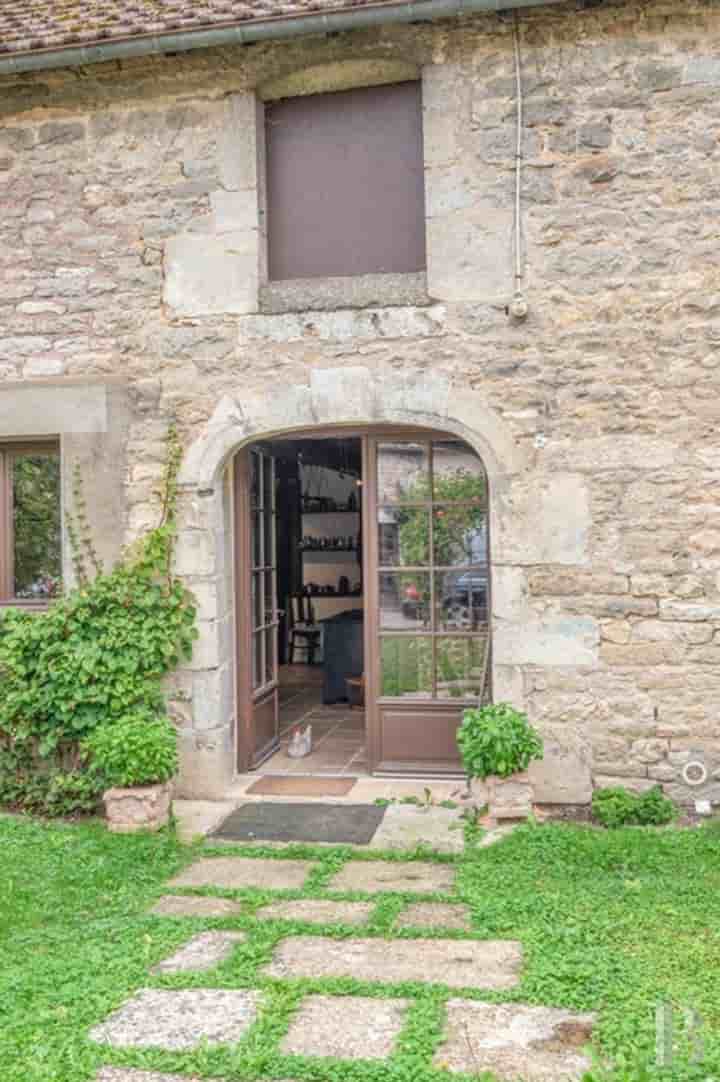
[30,523]
[345,184]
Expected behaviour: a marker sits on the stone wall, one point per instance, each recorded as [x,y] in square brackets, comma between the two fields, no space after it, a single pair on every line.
[132,248]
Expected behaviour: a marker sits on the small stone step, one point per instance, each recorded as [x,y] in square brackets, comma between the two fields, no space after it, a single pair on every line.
[346,1027]
[160,1018]
[237,873]
[435,915]
[459,963]
[414,876]
[194,905]
[204,951]
[317,911]
[537,1044]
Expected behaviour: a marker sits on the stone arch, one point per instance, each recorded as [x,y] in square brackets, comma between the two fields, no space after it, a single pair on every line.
[355,395]
[536,517]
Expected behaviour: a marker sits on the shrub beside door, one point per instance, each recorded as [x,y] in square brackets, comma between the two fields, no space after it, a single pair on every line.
[497,744]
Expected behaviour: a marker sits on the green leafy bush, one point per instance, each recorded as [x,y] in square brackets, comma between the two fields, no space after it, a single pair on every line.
[616,807]
[137,749]
[95,657]
[497,740]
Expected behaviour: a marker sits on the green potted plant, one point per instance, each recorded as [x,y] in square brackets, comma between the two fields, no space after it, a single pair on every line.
[136,757]
[497,744]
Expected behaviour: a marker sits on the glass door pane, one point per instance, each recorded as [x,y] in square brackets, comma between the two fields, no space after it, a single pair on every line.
[432,569]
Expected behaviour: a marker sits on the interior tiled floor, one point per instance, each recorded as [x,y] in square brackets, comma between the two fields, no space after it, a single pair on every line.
[338,730]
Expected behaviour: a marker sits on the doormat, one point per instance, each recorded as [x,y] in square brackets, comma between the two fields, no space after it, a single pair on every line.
[281,785]
[338,824]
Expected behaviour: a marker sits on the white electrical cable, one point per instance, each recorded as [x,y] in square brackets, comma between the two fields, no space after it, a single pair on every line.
[518,154]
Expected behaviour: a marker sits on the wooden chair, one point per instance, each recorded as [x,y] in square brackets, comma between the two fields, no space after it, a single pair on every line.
[303,632]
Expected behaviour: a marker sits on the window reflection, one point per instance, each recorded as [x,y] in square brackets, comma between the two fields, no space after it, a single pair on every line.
[37,537]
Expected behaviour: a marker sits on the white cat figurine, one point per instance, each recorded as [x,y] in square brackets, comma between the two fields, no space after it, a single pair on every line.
[300,743]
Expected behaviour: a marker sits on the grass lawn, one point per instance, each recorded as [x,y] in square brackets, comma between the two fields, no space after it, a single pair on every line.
[610,921]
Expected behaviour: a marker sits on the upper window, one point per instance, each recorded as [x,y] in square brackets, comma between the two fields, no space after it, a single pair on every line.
[30,523]
[345,192]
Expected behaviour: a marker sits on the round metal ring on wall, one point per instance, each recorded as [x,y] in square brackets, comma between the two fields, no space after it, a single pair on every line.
[694,773]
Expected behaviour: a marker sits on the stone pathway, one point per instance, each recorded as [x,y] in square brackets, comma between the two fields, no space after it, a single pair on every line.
[512,1040]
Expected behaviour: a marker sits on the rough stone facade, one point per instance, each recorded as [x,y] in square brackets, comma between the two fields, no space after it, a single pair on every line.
[132,252]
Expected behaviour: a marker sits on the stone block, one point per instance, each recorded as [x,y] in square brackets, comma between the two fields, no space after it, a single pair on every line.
[537,1044]
[405,825]
[510,798]
[237,142]
[204,951]
[571,640]
[241,873]
[317,911]
[345,1027]
[691,611]
[372,876]
[179,1020]
[563,775]
[206,763]
[467,253]
[543,521]
[234,211]
[194,905]
[145,807]
[209,275]
[458,963]
[435,915]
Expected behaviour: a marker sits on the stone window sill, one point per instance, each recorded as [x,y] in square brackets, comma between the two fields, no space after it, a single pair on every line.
[329,294]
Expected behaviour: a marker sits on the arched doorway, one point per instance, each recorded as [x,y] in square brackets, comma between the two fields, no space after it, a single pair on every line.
[413,519]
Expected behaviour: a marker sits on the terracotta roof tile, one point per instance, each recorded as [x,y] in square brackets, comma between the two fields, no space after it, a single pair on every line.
[30,25]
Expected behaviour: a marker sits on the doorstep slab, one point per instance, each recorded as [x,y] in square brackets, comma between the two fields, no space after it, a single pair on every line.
[281,785]
[317,911]
[406,826]
[458,963]
[196,818]
[537,1044]
[413,876]
[178,1020]
[435,915]
[193,905]
[204,951]
[345,1027]
[238,873]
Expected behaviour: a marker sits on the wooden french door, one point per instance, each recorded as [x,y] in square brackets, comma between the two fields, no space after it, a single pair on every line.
[258,616]
[426,597]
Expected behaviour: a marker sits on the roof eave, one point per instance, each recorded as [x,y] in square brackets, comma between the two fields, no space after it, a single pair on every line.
[245,33]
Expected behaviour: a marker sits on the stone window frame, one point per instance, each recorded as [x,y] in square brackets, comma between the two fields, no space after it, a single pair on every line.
[36,445]
[331,293]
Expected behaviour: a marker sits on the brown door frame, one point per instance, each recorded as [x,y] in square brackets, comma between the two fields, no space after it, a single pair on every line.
[368,435]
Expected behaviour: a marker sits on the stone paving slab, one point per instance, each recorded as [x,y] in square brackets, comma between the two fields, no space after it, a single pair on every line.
[193,905]
[536,1044]
[236,873]
[435,915]
[129,1074]
[177,1020]
[459,963]
[318,911]
[204,951]
[406,826]
[347,1027]
[416,876]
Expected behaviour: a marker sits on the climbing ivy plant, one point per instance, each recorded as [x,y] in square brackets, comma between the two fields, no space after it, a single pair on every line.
[93,657]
